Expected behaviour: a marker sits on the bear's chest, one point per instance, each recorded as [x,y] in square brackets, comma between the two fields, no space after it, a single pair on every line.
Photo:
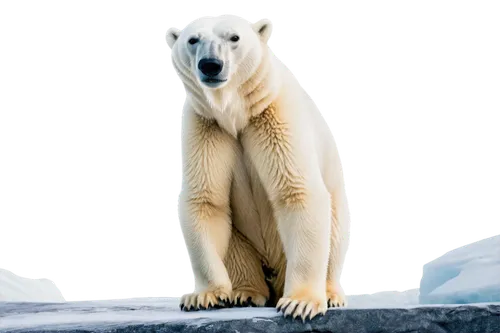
[229,110]
[232,120]
[252,211]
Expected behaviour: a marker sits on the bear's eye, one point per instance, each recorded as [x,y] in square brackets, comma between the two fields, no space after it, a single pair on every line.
[234,38]
[193,41]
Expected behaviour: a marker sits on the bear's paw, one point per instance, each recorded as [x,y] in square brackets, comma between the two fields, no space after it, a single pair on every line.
[246,297]
[209,299]
[301,307]
[335,296]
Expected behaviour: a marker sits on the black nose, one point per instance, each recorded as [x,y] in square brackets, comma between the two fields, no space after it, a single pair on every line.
[210,66]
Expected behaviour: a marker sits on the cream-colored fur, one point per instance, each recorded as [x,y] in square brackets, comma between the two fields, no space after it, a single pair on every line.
[263,207]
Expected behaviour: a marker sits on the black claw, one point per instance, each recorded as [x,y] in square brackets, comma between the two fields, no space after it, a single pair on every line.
[244,304]
[181,306]
[221,303]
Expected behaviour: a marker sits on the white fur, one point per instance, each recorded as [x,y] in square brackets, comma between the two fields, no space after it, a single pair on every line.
[307,157]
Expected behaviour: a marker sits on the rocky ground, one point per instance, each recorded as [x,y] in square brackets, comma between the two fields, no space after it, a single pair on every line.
[163,315]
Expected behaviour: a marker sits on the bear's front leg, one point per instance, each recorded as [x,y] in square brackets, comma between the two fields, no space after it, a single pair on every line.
[288,168]
[204,210]
[303,224]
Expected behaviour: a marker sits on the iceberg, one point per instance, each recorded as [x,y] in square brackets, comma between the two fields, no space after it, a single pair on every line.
[470,274]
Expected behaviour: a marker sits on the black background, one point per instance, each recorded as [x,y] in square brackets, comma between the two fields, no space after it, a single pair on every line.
[88,190]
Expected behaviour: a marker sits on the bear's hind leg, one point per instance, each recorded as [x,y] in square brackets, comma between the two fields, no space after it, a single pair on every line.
[245,271]
[339,239]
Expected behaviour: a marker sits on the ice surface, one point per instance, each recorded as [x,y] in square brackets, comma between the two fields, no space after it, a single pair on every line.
[469,274]
[14,288]
[114,313]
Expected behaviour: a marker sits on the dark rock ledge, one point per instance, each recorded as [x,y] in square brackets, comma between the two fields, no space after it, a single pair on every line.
[162,315]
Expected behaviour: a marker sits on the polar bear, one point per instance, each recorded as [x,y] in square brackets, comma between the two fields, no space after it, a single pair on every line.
[263,207]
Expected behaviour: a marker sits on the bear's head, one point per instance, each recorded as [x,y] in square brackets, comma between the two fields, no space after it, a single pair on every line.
[218,52]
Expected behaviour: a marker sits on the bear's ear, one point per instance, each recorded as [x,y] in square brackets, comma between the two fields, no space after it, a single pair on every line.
[263,28]
[172,35]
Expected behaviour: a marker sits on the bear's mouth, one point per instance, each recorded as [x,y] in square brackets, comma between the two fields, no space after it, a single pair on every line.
[213,80]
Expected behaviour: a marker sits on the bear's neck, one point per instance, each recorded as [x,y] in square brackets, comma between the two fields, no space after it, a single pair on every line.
[262,88]
[233,106]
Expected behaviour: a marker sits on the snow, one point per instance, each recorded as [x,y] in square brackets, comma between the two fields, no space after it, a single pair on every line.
[14,288]
[469,274]
[384,299]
